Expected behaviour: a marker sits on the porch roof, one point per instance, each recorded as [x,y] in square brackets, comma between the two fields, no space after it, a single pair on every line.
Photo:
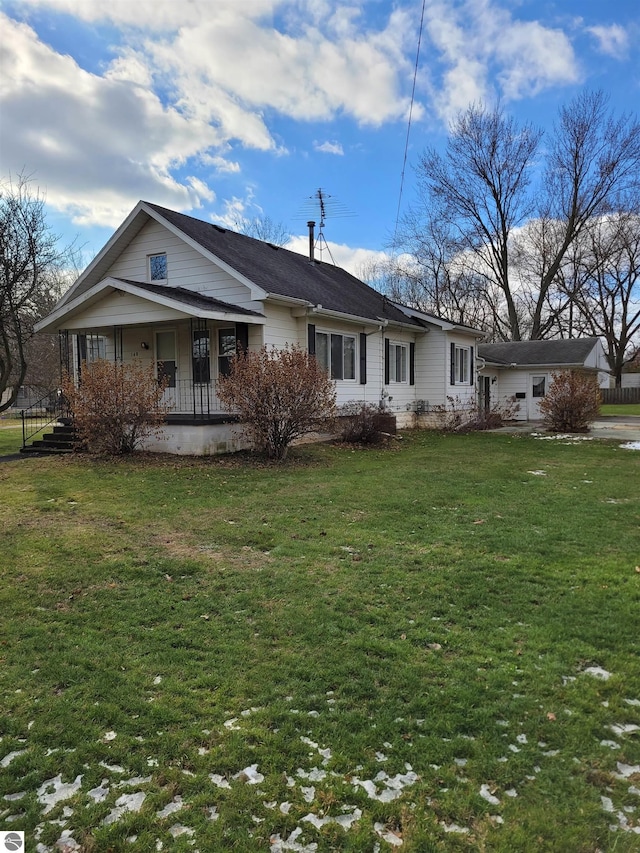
[185,302]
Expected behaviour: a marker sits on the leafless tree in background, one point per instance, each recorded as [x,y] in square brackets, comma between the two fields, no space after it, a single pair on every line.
[30,267]
[502,229]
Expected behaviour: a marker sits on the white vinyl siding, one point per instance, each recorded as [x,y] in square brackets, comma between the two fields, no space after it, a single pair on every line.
[186,267]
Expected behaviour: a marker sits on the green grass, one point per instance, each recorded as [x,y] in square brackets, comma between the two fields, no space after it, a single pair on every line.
[620,409]
[434,604]
[10,437]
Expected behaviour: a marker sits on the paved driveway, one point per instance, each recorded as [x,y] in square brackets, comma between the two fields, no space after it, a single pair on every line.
[624,428]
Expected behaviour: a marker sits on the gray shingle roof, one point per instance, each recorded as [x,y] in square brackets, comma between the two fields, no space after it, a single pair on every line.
[569,352]
[281,272]
[191,298]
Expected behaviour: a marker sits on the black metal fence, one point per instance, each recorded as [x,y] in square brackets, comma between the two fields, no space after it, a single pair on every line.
[199,401]
[48,410]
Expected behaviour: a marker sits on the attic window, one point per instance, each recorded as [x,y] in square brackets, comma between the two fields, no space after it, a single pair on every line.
[158,267]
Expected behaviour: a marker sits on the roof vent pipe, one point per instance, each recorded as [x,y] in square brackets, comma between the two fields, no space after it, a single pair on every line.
[311,225]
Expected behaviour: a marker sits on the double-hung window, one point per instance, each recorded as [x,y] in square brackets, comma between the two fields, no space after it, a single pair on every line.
[337,354]
[158,267]
[461,365]
[398,362]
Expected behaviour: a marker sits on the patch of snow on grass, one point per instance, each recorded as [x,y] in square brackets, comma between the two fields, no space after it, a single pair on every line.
[219,780]
[391,787]
[387,835]
[171,808]
[125,803]
[597,672]
[99,794]
[61,791]
[6,761]
[453,827]
[178,829]
[281,845]
[485,793]
[631,445]
[624,729]
[250,775]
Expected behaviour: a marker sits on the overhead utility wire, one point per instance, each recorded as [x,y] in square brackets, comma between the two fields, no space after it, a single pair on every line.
[406,145]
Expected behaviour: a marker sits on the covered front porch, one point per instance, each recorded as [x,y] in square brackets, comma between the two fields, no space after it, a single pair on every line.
[190,355]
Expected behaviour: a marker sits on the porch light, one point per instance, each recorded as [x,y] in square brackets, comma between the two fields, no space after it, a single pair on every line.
[144,345]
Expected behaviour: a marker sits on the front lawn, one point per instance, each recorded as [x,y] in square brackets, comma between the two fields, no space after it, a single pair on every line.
[620,409]
[435,644]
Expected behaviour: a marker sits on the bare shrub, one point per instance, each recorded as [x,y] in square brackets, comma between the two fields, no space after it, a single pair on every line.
[362,423]
[116,405]
[468,416]
[572,402]
[279,395]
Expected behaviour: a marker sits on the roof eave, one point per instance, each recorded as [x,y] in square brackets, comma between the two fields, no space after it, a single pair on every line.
[52,322]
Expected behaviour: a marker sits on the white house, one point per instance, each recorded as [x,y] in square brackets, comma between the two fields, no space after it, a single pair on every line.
[186,294]
[520,371]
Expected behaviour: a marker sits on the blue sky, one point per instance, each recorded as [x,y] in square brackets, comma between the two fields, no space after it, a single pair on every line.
[232,109]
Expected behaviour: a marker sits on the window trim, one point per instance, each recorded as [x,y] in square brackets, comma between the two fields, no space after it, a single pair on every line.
[166,266]
[542,380]
[461,366]
[330,367]
[393,363]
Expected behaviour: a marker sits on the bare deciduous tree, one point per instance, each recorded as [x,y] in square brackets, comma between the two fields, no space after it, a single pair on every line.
[610,297]
[30,265]
[264,228]
[513,234]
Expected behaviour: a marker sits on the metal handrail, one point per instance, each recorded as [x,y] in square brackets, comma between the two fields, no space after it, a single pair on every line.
[41,414]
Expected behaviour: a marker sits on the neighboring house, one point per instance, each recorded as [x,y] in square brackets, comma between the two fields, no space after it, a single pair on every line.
[186,294]
[521,371]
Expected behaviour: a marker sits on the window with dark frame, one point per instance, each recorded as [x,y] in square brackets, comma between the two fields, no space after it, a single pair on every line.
[539,386]
[227,347]
[201,357]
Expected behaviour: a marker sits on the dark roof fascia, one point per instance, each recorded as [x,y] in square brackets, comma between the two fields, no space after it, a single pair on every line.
[434,320]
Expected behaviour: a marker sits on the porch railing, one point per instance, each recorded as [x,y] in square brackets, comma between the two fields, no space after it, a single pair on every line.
[198,401]
[46,411]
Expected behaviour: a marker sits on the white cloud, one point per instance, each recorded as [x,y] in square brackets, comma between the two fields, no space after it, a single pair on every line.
[99,144]
[329,148]
[354,260]
[612,40]
[188,81]
[478,41]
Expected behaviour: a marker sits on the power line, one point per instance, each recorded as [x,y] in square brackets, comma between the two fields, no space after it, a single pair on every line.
[406,145]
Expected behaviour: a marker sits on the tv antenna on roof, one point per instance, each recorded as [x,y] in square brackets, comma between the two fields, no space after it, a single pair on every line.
[320,205]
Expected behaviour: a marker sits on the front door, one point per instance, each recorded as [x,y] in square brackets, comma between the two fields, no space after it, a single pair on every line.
[167,363]
[538,387]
